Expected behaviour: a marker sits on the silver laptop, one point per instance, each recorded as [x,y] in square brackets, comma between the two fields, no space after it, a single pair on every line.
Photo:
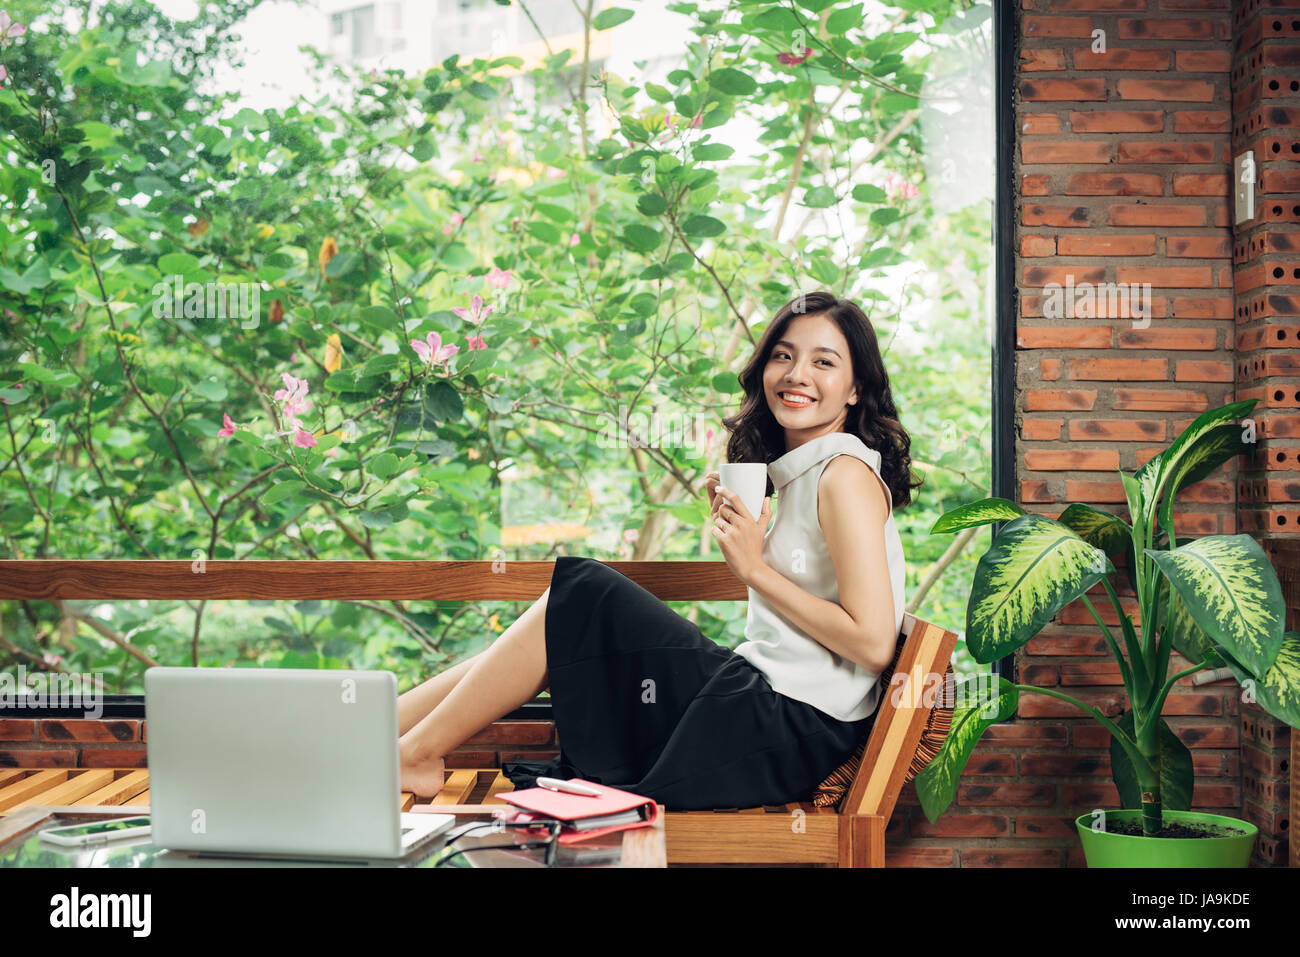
[278,762]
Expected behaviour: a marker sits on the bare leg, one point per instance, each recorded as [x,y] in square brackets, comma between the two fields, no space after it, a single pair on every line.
[507,674]
[423,698]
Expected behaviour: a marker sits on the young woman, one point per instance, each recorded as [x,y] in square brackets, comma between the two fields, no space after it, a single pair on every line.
[642,700]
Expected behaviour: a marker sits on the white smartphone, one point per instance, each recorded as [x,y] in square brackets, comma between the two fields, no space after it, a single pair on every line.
[97,832]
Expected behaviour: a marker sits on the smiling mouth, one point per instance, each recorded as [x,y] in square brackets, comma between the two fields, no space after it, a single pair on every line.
[797,403]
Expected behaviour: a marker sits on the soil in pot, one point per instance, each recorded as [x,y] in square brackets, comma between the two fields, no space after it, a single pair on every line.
[1172,829]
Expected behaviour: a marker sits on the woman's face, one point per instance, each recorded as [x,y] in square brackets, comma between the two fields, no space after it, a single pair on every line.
[811,359]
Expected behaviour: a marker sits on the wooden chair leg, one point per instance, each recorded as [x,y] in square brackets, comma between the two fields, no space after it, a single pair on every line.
[862,840]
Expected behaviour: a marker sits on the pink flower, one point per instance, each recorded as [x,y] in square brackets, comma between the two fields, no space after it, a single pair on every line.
[294,397]
[456,220]
[898,188]
[789,59]
[573,240]
[303,439]
[4,74]
[476,313]
[631,534]
[708,438]
[52,659]
[432,350]
[295,402]
[8,28]
[499,278]
[477,157]
[228,425]
[292,387]
[476,342]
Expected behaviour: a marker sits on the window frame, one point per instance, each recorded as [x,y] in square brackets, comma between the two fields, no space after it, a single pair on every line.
[1005,22]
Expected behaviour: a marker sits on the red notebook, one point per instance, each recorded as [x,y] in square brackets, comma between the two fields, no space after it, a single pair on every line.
[574,808]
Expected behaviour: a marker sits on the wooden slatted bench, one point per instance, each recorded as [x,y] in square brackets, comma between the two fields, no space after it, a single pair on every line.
[851,834]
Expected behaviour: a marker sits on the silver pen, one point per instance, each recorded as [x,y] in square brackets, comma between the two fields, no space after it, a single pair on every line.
[568,787]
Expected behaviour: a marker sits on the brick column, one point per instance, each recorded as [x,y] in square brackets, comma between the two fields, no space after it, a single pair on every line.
[1124,166]
[1295,796]
[1266,259]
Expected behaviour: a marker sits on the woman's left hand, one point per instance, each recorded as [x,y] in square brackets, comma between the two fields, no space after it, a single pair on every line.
[739,534]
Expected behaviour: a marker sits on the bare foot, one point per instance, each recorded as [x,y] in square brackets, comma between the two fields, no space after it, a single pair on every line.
[421,772]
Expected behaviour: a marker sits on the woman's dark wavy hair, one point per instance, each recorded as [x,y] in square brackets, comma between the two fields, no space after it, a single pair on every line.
[756,436]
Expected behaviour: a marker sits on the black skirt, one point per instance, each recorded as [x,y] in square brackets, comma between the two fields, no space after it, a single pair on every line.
[642,700]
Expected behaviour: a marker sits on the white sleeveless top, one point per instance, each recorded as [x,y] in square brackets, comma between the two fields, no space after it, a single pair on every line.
[794,663]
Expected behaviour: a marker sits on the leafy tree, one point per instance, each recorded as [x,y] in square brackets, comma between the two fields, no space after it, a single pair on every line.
[350,328]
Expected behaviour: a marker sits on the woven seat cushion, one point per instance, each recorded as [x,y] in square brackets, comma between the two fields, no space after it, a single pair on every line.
[831,791]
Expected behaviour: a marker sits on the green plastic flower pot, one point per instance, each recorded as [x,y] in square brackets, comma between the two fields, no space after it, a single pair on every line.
[1103,849]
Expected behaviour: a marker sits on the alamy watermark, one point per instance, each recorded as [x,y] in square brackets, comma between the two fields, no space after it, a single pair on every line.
[1086,301]
[75,909]
[176,299]
[57,690]
[656,430]
[981,692]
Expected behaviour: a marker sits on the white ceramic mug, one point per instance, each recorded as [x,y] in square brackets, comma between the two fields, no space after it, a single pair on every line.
[747,480]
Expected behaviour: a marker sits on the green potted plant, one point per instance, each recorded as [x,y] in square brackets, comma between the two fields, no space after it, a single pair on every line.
[1217,600]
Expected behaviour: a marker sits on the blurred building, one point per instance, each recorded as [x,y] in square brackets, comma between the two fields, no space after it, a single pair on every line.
[413,35]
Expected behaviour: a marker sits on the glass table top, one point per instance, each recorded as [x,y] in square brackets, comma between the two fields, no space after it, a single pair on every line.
[28,849]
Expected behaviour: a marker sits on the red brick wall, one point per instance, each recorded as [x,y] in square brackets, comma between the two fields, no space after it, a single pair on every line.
[1266,254]
[122,743]
[71,743]
[1121,167]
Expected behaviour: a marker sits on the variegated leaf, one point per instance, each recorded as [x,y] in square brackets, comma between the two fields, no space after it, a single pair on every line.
[1142,489]
[1171,458]
[1033,569]
[936,785]
[1181,628]
[984,512]
[1277,691]
[1108,532]
[1097,527]
[1232,593]
[1211,450]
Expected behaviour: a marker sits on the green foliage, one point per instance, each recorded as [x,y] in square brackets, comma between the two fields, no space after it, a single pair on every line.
[176,259]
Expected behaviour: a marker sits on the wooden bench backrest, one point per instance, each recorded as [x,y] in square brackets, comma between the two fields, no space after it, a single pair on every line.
[916,685]
[926,648]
